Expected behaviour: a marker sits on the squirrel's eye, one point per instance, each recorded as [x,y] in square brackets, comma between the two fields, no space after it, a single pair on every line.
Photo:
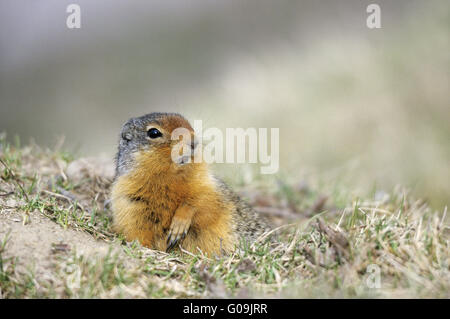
[154,133]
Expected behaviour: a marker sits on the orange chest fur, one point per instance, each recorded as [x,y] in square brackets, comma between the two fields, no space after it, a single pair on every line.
[156,198]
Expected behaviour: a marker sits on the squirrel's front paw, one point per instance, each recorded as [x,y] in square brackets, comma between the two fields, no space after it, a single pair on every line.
[181,221]
[177,232]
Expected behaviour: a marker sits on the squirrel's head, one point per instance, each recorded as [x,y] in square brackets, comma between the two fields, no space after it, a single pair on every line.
[156,142]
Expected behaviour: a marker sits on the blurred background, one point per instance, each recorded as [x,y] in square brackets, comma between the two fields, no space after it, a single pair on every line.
[369,107]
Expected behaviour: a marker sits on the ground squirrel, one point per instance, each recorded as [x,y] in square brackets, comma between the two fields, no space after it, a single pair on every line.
[163,203]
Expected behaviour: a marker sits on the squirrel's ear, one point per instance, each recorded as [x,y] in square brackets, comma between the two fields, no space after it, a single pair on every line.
[127,131]
[127,136]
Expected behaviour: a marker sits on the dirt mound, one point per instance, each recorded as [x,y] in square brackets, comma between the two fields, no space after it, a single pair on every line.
[37,243]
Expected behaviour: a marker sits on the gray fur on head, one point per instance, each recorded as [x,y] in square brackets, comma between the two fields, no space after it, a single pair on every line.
[133,137]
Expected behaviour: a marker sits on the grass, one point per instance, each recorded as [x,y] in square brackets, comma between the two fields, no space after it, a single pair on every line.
[337,246]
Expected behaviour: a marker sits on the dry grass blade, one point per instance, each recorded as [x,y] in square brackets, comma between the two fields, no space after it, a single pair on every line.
[336,238]
[15,178]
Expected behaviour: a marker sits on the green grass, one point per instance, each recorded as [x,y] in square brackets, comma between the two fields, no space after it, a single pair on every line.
[324,253]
